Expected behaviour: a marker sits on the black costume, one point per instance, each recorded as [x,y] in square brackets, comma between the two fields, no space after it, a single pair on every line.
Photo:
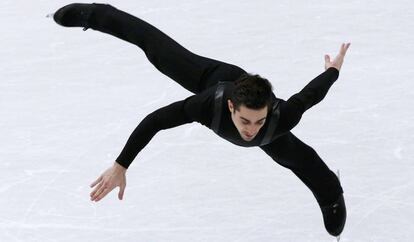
[203,76]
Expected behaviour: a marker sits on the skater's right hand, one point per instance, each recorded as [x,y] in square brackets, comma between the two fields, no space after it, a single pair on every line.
[338,60]
[111,178]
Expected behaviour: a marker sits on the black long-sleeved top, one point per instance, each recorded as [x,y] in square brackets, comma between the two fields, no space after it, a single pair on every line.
[200,108]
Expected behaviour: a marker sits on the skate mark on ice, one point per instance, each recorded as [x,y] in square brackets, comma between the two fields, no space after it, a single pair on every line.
[382,200]
[34,202]
[39,196]
[6,187]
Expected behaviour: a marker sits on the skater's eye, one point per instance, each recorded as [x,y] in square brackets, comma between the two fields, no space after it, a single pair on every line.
[246,121]
[259,122]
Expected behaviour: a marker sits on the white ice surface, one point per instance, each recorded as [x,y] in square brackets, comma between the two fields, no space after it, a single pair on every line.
[70,99]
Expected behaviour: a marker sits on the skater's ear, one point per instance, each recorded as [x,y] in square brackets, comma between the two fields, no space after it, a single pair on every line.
[230,105]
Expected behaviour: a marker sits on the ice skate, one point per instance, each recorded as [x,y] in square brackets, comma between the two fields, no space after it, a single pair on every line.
[74,15]
[334,216]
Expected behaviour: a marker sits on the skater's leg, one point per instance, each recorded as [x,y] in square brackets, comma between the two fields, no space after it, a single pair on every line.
[292,153]
[295,155]
[193,72]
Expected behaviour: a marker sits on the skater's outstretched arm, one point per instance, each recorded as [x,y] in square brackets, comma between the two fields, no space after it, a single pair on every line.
[314,92]
[193,108]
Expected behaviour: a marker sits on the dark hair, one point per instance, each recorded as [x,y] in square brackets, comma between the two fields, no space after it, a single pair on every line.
[252,91]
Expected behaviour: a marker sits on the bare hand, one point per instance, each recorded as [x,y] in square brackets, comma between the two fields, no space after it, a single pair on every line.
[111,178]
[339,59]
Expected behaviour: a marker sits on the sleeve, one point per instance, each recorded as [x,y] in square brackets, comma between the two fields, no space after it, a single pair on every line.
[172,115]
[292,110]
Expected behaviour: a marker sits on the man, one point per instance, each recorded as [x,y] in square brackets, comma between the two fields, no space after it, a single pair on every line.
[238,106]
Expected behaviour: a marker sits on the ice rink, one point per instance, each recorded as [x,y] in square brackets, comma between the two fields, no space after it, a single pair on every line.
[69,100]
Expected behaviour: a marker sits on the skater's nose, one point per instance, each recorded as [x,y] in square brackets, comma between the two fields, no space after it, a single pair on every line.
[250,130]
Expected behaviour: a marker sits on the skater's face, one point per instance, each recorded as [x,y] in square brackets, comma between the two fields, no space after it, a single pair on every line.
[247,121]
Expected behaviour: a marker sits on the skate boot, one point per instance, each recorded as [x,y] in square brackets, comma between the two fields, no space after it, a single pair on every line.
[334,216]
[74,15]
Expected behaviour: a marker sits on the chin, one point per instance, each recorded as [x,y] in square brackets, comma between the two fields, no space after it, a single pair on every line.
[248,139]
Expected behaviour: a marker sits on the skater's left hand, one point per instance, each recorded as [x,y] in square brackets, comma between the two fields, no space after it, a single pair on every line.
[339,59]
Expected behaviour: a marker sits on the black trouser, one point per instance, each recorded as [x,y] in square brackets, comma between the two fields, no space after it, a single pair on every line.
[195,73]
[294,154]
